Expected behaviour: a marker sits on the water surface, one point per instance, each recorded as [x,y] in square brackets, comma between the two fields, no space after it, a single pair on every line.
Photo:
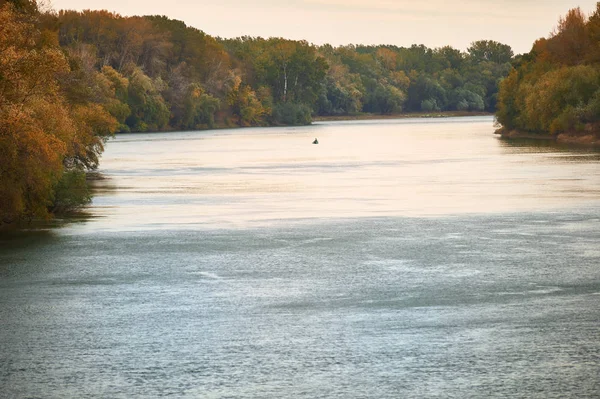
[410,258]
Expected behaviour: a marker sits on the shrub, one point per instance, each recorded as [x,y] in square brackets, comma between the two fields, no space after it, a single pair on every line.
[292,114]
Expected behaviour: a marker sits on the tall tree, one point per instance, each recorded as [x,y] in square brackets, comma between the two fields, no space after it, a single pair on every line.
[489,50]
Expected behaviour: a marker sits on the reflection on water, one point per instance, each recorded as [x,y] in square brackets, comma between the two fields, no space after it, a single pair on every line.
[406,259]
[359,169]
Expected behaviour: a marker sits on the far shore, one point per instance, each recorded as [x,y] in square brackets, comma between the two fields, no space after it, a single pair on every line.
[334,118]
[590,139]
[367,116]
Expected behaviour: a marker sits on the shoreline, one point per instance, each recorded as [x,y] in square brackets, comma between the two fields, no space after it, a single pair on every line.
[408,115]
[332,118]
[589,139]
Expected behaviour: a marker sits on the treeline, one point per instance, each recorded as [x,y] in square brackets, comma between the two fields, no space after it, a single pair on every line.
[52,124]
[168,76]
[375,79]
[390,79]
[70,79]
[556,87]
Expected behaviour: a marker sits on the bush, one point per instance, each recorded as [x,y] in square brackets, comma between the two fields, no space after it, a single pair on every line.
[462,105]
[429,105]
[71,192]
[292,114]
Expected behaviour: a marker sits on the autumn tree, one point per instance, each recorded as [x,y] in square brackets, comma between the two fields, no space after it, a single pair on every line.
[556,87]
[42,135]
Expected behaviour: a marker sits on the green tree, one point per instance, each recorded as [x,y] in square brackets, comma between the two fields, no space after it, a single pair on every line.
[149,112]
[489,50]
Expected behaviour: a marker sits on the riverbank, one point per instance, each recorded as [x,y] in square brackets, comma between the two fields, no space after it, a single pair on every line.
[587,138]
[332,118]
[365,116]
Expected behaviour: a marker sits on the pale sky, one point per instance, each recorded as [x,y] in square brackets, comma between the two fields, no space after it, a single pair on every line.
[434,23]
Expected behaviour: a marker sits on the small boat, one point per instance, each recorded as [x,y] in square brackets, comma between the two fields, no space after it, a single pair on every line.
[316,141]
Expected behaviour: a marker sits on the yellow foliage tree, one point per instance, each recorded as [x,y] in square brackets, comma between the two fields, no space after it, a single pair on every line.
[556,88]
[40,132]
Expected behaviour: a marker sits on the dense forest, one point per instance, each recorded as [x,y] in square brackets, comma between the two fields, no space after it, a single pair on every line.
[555,89]
[166,75]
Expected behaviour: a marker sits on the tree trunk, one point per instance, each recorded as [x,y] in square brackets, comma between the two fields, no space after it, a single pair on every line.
[285,79]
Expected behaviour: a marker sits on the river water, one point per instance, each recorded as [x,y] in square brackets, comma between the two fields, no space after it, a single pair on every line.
[396,259]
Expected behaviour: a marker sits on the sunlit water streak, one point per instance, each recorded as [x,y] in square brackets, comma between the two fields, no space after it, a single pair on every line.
[414,258]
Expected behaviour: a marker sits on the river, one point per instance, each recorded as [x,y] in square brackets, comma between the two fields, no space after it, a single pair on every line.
[396,259]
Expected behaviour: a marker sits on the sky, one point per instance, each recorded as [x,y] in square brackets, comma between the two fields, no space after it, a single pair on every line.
[434,23]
